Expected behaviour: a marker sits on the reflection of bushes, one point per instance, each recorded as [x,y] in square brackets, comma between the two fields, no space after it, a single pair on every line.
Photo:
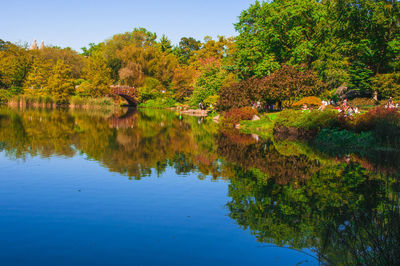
[343,142]
[370,236]
[342,212]
[264,156]
[159,103]
[236,137]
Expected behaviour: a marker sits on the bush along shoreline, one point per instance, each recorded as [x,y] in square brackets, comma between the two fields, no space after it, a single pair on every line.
[330,132]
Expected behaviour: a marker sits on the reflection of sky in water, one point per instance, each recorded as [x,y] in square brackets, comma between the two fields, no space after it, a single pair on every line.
[72,211]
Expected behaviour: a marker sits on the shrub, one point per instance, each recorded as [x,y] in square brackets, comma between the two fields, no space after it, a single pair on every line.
[285,84]
[4,96]
[211,101]
[290,83]
[310,101]
[384,122]
[379,115]
[318,120]
[387,85]
[235,115]
[362,102]
[150,90]
[287,117]
[310,121]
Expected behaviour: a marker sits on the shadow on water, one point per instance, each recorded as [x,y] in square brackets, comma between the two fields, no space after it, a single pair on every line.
[338,209]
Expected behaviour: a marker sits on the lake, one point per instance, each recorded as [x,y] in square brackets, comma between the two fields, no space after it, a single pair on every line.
[151,187]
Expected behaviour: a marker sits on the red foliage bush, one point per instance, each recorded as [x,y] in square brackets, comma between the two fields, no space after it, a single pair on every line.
[235,115]
[287,84]
[239,94]
[379,115]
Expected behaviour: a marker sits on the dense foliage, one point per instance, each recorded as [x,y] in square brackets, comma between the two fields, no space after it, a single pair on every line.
[235,115]
[285,50]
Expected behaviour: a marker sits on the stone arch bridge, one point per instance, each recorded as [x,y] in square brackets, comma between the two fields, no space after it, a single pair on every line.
[128,93]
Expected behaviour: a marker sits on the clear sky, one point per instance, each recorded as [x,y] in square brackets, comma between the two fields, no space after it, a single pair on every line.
[76,23]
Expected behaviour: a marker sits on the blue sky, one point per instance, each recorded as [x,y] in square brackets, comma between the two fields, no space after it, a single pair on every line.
[76,23]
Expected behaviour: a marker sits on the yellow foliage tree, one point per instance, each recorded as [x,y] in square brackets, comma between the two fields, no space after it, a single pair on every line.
[60,84]
[38,75]
[97,76]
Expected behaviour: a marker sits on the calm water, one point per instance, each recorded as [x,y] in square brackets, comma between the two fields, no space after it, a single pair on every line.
[152,188]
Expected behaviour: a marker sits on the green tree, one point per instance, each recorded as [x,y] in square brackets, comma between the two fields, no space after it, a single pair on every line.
[209,82]
[187,46]
[276,32]
[360,77]
[165,44]
[93,48]
[387,85]
[371,31]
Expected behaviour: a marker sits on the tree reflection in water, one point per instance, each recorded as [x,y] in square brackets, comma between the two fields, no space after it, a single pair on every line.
[345,210]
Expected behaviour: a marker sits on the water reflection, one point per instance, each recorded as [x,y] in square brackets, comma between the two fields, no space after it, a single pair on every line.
[345,208]
[126,120]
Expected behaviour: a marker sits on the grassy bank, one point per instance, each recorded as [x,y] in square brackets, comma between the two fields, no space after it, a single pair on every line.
[76,102]
[377,129]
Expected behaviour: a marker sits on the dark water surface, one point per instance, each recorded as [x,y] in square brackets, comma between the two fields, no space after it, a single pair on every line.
[150,188]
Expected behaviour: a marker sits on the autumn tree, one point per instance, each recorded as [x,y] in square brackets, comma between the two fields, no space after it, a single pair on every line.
[15,64]
[97,76]
[71,58]
[239,94]
[131,74]
[60,84]
[39,74]
[183,82]
[288,84]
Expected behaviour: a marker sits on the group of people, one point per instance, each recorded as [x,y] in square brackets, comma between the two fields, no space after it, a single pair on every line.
[266,106]
[390,104]
[346,109]
[305,108]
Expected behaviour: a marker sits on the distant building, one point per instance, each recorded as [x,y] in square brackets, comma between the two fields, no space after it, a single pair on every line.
[41,45]
[34,46]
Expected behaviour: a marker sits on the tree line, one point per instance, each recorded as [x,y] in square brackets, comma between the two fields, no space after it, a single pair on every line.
[285,50]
